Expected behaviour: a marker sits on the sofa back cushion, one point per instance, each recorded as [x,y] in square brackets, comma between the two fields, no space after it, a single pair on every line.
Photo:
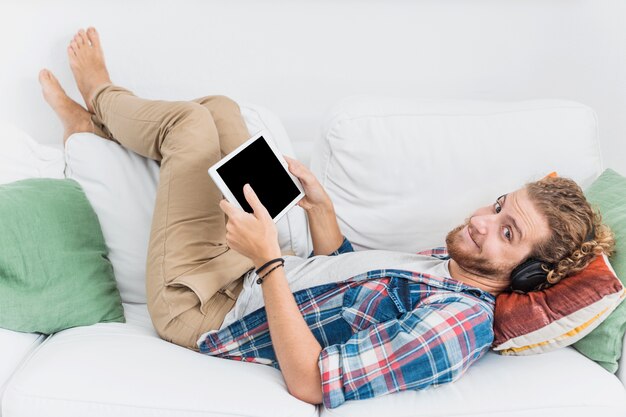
[121,186]
[21,157]
[402,173]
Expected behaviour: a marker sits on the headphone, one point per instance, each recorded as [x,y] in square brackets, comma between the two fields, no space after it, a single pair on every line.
[528,276]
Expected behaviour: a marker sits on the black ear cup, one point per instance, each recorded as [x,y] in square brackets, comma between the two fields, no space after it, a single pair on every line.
[528,276]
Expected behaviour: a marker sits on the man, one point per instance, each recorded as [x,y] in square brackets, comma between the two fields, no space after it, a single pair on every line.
[360,324]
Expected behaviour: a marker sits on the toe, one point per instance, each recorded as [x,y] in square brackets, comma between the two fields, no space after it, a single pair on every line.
[70,51]
[48,80]
[94,38]
[44,75]
[78,40]
[52,78]
[82,38]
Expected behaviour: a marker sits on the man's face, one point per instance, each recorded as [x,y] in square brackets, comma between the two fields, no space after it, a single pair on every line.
[498,237]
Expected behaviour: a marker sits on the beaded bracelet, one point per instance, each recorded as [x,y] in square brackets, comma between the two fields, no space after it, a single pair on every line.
[260,280]
[268,263]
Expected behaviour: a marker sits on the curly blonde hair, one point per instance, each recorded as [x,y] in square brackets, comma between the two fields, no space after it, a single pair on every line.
[578,234]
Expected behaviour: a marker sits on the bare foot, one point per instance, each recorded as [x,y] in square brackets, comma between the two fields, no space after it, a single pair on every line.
[87,64]
[74,117]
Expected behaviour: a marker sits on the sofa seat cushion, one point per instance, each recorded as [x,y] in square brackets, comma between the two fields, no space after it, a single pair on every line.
[115,369]
[14,348]
[560,383]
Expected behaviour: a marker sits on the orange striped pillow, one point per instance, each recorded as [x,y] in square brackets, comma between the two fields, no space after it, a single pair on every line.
[542,321]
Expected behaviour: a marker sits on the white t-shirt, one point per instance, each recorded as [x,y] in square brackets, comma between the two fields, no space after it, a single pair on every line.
[306,273]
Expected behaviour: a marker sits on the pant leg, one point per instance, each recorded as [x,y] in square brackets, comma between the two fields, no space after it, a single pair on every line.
[226,116]
[192,277]
[228,120]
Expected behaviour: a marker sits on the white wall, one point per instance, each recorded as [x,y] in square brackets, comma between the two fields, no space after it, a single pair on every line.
[299,57]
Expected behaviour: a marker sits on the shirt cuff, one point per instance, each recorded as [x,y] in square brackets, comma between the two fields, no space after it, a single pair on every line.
[345,247]
[329,363]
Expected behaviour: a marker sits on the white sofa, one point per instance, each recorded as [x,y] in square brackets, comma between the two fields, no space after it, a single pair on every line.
[401,172]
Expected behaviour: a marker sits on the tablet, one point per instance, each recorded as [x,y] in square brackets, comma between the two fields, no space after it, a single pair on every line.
[258,162]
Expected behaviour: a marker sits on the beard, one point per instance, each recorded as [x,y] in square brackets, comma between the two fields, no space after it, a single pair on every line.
[474,262]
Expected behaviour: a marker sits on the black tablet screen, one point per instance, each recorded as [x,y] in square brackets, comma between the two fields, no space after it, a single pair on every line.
[258,166]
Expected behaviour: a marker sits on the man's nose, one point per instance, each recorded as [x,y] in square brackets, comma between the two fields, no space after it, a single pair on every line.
[481,223]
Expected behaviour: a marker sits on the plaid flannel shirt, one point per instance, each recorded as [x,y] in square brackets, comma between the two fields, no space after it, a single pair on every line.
[382,331]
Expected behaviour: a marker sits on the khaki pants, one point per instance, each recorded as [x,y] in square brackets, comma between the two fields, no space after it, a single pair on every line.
[192,277]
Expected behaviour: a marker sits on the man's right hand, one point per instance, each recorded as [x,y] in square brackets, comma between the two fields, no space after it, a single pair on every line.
[315,195]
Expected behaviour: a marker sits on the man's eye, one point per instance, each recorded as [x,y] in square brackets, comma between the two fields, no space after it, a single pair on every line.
[497,207]
[507,233]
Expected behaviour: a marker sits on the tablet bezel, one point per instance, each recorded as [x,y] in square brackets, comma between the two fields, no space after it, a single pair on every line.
[217,178]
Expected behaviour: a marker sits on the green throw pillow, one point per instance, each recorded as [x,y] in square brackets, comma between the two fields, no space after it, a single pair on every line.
[54,270]
[604,344]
